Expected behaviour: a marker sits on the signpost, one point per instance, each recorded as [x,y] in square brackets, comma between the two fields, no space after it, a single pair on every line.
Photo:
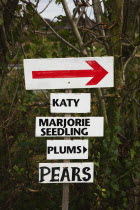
[65,194]
[70,102]
[69,126]
[68,73]
[66,172]
[67,149]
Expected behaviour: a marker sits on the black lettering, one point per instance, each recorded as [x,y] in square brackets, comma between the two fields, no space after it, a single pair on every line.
[75,173]
[54,131]
[83,122]
[42,173]
[50,149]
[63,103]
[60,131]
[65,173]
[52,122]
[59,122]
[55,102]
[48,131]
[43,132]
[65,123]
[84,132]
[62,151]
[67,132]
[87,122]
[77,122]
[71,150]
[54,174]
[88,174]
[70,122]
[76,101]
[43,122]
[77,131]
[69,102]
[55,150]
[78,149]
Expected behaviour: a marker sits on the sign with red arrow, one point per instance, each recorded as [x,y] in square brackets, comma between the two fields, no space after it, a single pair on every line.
[69,73]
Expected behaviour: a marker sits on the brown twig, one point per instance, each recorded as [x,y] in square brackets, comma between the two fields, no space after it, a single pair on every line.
[53,31]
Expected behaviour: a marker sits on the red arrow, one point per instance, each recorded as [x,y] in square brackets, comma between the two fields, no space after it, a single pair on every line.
[97,72]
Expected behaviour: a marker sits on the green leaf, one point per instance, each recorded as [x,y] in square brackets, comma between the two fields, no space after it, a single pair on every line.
[137,144]
[22,108]
[115,187]
[1,21]
[58,1]
[132,153]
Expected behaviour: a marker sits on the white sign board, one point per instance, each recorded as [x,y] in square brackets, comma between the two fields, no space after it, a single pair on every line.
[70,102]
[67,149]
[69,126]
[69,73]
[66,172]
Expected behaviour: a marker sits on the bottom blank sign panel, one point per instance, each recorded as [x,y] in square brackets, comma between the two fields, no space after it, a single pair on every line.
[67,149]
[66,172]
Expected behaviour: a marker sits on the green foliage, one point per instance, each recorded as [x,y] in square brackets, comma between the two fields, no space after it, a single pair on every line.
[115,156]
[57,1]
[1,21]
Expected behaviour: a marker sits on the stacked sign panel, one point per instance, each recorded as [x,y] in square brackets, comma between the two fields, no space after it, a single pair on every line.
[68,73]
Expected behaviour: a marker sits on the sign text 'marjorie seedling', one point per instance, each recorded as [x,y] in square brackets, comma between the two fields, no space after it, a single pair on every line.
[73,126]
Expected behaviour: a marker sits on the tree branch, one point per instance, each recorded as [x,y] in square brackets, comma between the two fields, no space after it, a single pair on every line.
[97,13]
[45,7]
[127,61]
[53,31]
[74,28]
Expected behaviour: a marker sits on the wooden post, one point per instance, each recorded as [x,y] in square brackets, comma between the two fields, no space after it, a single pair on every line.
[65,196]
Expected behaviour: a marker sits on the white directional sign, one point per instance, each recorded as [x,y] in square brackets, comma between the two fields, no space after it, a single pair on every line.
[69,126]
[67,149]
[70,102]
[66,172]
[69,73]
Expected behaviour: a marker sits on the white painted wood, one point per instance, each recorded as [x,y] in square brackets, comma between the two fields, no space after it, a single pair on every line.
[52,64]
[67,149]
[69,126]
[66,172]
[70,102]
